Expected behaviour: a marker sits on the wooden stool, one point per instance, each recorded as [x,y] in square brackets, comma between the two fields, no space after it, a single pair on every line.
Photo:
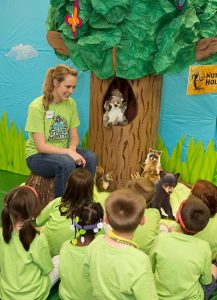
[44,187]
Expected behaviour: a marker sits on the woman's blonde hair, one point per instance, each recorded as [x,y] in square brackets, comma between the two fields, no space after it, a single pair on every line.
[59,73]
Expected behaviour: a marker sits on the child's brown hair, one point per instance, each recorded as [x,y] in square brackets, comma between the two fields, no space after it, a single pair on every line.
[79,190]
[124,209]
[193,215]
[21,205]
[207,192]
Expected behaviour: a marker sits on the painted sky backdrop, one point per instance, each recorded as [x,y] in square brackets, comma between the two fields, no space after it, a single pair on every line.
[25,56]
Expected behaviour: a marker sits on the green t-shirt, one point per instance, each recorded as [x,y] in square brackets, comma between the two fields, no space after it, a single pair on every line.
[24,274]
[145,235]
[181,263]
[119,273]
[73,284]
[54,226]
[209,234]
[54,124]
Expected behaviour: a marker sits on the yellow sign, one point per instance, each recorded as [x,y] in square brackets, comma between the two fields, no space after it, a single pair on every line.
[202,80]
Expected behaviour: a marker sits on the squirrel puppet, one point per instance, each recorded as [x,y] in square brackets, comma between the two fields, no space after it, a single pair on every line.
[104,180]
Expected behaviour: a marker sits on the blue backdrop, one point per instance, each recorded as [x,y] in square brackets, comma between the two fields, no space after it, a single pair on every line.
[23,67]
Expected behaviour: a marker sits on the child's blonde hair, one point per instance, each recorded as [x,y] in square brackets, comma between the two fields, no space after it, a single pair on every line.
[124,210]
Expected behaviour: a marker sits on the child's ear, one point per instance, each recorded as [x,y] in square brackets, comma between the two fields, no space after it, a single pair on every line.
[143,220]
[105,219]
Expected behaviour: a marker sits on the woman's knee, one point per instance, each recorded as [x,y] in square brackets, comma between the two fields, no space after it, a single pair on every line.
[66,163]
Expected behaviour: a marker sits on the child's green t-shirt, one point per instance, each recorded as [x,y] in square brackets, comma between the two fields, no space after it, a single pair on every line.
[54,124]
[181,263]
[25,274]
[73,284]
[209,234]
[145,235]
[119,273]
[54,226]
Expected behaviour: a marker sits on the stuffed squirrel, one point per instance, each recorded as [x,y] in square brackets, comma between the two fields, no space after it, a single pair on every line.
[104,180]
[115,108]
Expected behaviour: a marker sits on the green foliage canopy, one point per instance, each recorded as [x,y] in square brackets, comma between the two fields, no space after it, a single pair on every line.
[150,36]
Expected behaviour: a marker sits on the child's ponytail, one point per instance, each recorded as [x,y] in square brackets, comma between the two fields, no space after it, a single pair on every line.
[27,234]
[7,225]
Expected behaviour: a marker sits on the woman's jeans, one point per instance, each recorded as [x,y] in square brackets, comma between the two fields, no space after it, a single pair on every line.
[59,166]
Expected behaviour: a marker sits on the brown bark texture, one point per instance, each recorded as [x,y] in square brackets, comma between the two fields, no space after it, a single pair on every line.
[206,47]
[120,148]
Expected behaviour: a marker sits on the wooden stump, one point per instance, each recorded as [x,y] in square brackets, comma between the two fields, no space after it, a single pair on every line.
[44,187]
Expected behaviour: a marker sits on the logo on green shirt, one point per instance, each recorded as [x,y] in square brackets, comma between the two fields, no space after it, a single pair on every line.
[58,129]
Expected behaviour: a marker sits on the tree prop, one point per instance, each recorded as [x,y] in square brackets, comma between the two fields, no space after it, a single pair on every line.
[150,37]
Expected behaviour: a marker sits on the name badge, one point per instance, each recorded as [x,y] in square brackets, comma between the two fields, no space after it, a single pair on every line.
[49,114]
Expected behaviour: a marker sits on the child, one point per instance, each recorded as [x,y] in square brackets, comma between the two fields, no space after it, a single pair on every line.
[24,253]
[180,261]
[207,192]
[73,285]
[118,270]
[56,217]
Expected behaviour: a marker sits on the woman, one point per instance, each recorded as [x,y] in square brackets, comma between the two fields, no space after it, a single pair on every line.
[52,122]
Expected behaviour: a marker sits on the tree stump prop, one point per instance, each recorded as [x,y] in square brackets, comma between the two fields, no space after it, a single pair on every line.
[120,148]
[44,187]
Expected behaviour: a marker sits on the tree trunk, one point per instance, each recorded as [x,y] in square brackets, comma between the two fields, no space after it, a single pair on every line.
[120,148]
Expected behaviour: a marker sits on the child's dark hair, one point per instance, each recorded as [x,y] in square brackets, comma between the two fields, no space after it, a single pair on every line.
[20,205]
[193,215]
[79,190]
[207,192]
[124,209]
[89,214]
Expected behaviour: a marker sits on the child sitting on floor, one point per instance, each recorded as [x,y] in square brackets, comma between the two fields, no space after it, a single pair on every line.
[207,192]
[56,217]
[117,270]
[180,261]
[25,259]
[88,220]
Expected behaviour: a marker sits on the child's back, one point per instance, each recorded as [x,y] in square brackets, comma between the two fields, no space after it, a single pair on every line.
[54,226]
[119,273]
[25,260]
[181,263]
[117,270]
[73,284]
[24,274]
[56,217]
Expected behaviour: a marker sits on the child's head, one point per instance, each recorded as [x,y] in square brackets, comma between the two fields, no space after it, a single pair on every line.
[124,210]
[88,220]
[79,190]
[193,215]
[207,192]
[21,205]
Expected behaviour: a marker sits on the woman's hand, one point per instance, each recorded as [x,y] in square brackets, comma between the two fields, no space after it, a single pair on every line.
[79,160]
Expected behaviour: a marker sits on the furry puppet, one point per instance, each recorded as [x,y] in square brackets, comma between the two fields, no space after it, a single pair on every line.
[115,108]
[164,188]
[104,180]
[150,167]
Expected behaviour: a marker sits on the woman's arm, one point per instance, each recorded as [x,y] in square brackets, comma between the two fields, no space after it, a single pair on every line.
[42,147]
[74,141]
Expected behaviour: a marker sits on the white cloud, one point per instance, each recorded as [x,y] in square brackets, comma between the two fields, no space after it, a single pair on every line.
[22,52]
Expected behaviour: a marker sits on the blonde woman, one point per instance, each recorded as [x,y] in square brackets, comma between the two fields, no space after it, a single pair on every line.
[52,146]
